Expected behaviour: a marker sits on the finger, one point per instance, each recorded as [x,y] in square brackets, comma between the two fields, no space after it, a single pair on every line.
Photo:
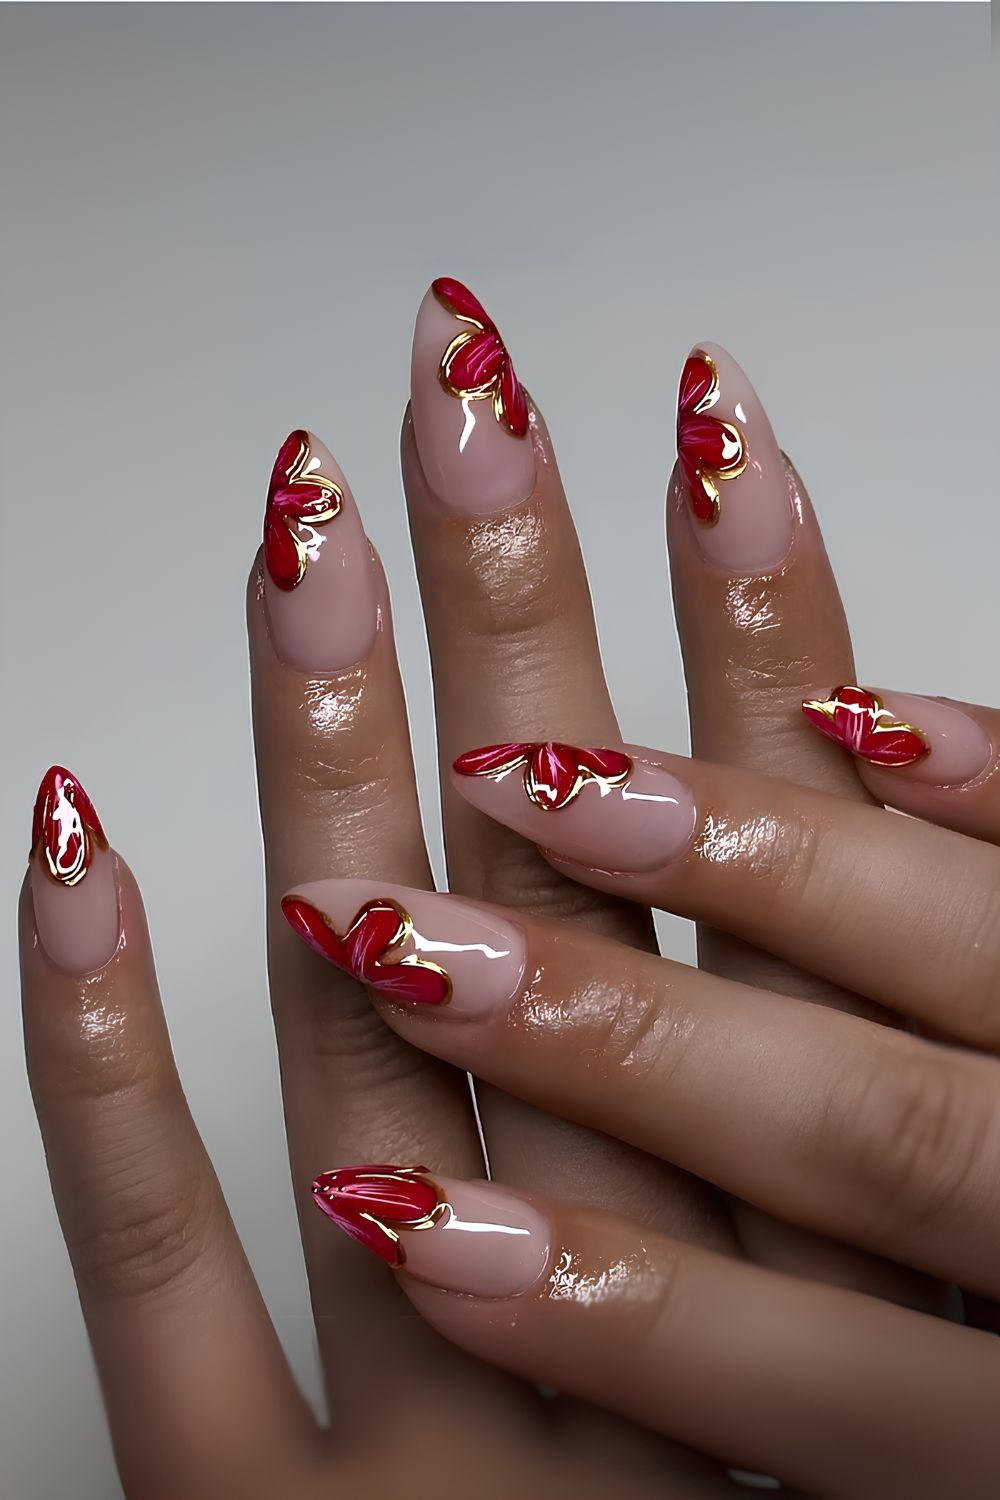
[200,1400]
[506,601]
[337,793]
[758,611]
[896,910]
[842,1394]
[851,1129]
[931,757]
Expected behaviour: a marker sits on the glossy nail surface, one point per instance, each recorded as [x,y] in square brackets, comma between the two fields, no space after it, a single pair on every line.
[415,947]
[602,808]
[732,473]
[319,572]
[934,741]
[462,1236]
[72,874]
[470,416]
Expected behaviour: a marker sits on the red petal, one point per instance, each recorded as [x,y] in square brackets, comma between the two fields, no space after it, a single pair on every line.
[300,501]
[894,747]
[458,299]
[475,362]
[415,981]
[385,1193]
[313,928]
[614,765]
[705,441]
[512,402]
[553,775]
[701,503]
[855,719]
[373,931]
[490,758]
[281,555]
[697,382]
[289,460]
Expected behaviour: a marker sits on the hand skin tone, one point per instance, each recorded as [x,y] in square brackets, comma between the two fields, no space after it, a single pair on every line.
[726,1215]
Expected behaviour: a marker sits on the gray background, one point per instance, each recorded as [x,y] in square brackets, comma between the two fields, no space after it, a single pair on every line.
[217,225]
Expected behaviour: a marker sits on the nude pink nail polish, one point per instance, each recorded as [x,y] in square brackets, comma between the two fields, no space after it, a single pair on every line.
[469,1237]
[732,473]
[73,888]
[470,416]
[320,585]
[602,808]
[417,948]
[932,741]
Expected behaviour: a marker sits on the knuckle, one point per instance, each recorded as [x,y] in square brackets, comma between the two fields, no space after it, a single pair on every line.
[511,589]
[915,1131]
[101,1063]
[641,1035]
[346,1035]
[152,1231]
[973,951]
[516,876]
[781,854]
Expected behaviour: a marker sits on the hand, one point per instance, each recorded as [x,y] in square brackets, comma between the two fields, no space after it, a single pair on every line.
[846,1127]
[160,1271]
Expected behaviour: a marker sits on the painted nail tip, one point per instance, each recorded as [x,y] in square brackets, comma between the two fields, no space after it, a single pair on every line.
[65,827]
[73,878]
[374,1204]
[472,1238]
[369,947]
[301,499]
[421,949]
[554,773]
[319,577]
[859,721]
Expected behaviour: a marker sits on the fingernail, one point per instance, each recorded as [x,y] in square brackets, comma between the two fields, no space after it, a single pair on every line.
[319,572]
[415,947]
[732,472]
[470,416]
[597,807]
[72,874]
[462,1236]
[938,744]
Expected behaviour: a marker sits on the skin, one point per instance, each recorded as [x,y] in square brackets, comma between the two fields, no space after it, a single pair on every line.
[854,1394]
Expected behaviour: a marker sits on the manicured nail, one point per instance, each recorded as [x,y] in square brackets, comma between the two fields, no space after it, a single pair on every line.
[72,873]
[732,472]
[415,947]
[319,572]
[466,1237]
[470,416]
[596,807]
[939,744]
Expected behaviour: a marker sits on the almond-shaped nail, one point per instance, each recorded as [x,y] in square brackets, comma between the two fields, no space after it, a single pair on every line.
[320,583]
[470,415]
[935,742]
[732,473]
[466,1237]
[417,948]
[72,873]
[597,807]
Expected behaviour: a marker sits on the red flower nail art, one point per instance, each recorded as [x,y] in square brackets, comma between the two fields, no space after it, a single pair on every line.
[476,366]
[858,721]
[65,826]
[299,498]
[554,774]
[373,1204]
[368,948]
[709,449]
